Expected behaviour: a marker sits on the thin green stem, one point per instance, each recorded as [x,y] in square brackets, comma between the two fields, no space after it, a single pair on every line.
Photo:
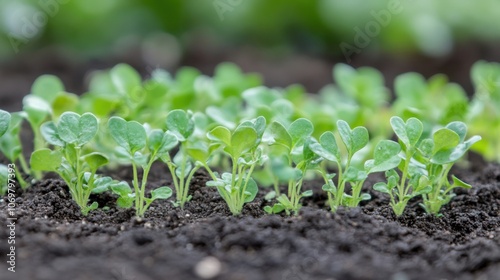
[136,189]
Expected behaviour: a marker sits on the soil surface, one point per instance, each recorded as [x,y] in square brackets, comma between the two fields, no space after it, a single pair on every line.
[53,240]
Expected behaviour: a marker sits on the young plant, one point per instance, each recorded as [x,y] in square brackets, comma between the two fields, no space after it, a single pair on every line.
[181,124]
[10,144]
[132,141]
[70,159]
[296,158]
[4,173]
[413,181]
[385,157]
[242,147]
[438,155]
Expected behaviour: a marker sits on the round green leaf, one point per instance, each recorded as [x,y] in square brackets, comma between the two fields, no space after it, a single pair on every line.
[49,132]
[95,160]
[47,87]
[161,142]
[125,79]
[386,156]
[409,133]
[220,134]
[280,135]
[129,135]
[445,139]
[161,193]
[242,140]
[299,130]
[251,191]
[75,129]
[46,160]
[4,122]
[180,123]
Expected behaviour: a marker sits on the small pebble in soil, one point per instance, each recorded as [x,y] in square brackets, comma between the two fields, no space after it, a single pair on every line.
[208,268]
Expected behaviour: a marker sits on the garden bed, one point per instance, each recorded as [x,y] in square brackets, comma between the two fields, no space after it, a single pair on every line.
[54,241]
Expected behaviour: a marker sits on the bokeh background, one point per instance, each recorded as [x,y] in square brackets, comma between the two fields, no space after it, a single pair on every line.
[287,41]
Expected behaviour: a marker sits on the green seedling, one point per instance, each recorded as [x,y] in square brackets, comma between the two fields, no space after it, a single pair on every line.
[438,155]
[10,144]
[132,142]
[4,171]
[293,160]
[483,116]
[182,125]
[242,147]
[69,159]
[413,181]
[385,158]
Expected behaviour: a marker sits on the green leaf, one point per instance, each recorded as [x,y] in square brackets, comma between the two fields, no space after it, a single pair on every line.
[46,160]
[4,122]
[161,142]
[47,87]
[307,193]
[409,133]
[251,191]
[452,155]
[102,184]
[386,156]
[181,124]
[259,124]
[129,135]
[242,140]
[122,189]
[445,139]
[220,134]
[199,152]
[459,128]
[426,147]
[381,187]
[37,110]
[459,183]
[75,129]
[353,174]
[161,193]
[355,139]
[327,147]
[49,132]
[280,135]
[64,102]
[125,79]
[95,160]
[299,130]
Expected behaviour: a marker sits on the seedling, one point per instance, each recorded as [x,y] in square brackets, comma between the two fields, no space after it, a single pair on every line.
[4,173]
[242,147]
[385,157]
[438,155]
[413,181]
[483,116]
[132,141]
[70,159]
[296,158]
[181,168]
[10,144]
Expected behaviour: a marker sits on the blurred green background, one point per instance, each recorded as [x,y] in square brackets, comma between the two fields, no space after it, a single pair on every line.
[293,41]
[94,27]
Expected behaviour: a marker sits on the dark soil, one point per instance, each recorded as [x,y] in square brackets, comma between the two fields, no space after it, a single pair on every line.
[53,240]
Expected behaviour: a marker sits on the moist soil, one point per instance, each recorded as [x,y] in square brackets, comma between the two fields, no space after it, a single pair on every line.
[54,241]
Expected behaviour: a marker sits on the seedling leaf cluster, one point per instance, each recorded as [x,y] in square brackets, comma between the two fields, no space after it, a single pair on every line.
[249,138]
